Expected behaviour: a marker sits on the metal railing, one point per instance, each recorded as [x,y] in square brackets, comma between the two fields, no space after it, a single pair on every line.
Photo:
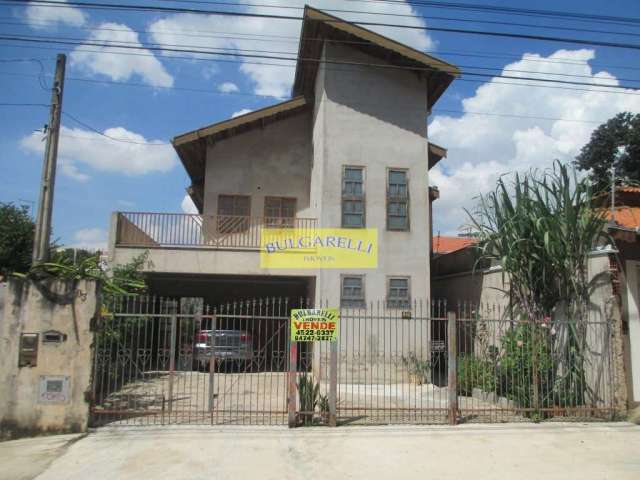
[141,229]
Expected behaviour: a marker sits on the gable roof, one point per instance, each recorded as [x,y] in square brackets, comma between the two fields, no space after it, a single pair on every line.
[318,25]
[192,146]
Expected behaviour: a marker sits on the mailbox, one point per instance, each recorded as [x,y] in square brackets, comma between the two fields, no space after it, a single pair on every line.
[53,336]
[28,354]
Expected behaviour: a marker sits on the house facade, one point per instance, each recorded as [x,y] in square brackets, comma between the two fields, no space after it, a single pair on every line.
[349,150]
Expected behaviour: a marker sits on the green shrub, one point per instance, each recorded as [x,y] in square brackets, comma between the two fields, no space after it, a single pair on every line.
[475,373]
[521,348]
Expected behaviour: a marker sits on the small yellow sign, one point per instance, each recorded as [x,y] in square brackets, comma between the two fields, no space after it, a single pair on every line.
[319,248]
[314,325]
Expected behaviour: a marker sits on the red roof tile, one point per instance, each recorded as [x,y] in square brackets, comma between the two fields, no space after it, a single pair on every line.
[627,217]
[443,244]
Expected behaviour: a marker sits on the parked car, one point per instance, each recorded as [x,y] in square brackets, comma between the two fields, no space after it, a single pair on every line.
[229,345]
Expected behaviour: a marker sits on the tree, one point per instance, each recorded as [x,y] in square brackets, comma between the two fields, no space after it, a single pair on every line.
[597,156]
[16,239]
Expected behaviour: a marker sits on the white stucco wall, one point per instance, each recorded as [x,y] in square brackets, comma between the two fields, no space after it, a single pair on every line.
[374,118]
[274,160]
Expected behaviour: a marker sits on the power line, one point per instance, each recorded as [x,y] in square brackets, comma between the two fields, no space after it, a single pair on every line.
[436,110]
[95,130]
[294,59]
[512,11]
[404,15]
[294,40]
[146,8]
[291,66]
[242,52]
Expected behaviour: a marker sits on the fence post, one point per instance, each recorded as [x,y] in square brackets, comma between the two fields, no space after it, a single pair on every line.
[212,365]
[293,367]
[333,384]
[452,367]
[172,361]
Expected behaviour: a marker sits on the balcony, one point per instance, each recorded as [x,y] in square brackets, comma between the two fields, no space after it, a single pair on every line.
[216,232]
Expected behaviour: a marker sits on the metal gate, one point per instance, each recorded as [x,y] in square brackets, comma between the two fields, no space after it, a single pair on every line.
[166,361]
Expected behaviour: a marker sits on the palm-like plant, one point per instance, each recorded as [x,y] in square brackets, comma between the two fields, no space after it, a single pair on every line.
[541,228]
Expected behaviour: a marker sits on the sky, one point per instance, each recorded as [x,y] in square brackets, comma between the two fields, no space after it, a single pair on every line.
[141,99]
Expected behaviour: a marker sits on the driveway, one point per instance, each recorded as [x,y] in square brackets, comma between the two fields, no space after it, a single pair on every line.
[549,451]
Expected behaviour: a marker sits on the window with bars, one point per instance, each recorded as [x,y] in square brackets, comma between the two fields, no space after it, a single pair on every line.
[352,291]
[233,213]
[353,197]
[398,293]
[397,200]
[279,211]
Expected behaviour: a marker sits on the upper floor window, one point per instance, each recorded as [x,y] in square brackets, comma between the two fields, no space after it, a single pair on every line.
[353,197]
[397,200]
[279,211]
[233,213]
[352,291]
[398,292]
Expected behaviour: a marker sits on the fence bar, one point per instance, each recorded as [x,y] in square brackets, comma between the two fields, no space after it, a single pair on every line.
[212,363]
[291,399]
[452,365]
[172,362]
[333,384]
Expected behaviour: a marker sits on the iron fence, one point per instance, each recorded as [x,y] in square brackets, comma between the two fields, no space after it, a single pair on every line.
[157,361]
[167,361]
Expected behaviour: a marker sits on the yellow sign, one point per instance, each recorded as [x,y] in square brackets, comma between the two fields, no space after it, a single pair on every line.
[314,325]
[319,248]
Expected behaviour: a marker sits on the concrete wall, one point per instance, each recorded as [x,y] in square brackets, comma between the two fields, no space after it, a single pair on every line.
[271,161]
[374,118]
[29,309]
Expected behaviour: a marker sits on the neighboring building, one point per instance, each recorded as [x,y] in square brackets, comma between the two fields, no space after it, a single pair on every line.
[443,244]
[349,149]
[458,277]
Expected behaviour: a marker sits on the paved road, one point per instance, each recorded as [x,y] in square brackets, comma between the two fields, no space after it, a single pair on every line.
[546,451]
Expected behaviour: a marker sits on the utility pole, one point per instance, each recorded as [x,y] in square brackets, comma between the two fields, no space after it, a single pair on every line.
[47,185]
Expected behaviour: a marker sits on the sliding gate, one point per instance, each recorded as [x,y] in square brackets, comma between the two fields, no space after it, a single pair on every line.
[153,362]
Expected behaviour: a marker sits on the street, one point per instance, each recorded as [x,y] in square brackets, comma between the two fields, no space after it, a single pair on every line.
[505,451]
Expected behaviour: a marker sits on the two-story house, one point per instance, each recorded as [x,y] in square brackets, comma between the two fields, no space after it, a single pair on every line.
[349,150]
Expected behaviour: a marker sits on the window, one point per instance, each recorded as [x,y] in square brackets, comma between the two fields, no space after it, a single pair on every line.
[279,211]
[353,197]
[233,213]
[352,291]
[397,200]
[398,295]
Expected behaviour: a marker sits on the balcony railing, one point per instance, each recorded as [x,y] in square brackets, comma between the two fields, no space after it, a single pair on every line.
[136,229]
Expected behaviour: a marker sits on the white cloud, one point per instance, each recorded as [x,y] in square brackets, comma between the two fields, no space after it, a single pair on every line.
[90,238]
[480,147]
[42,16]
[83,147]
[272,80]
[70,170]
[244,111]
[227,87]
[103,60]
[188,206]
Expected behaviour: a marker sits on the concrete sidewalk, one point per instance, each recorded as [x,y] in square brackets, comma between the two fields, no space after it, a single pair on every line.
[581,451]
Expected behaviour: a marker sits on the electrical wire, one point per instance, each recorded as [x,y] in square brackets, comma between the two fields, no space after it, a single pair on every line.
[242,37]
[303,59]
[241,52]
[147,8]
[332,68]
